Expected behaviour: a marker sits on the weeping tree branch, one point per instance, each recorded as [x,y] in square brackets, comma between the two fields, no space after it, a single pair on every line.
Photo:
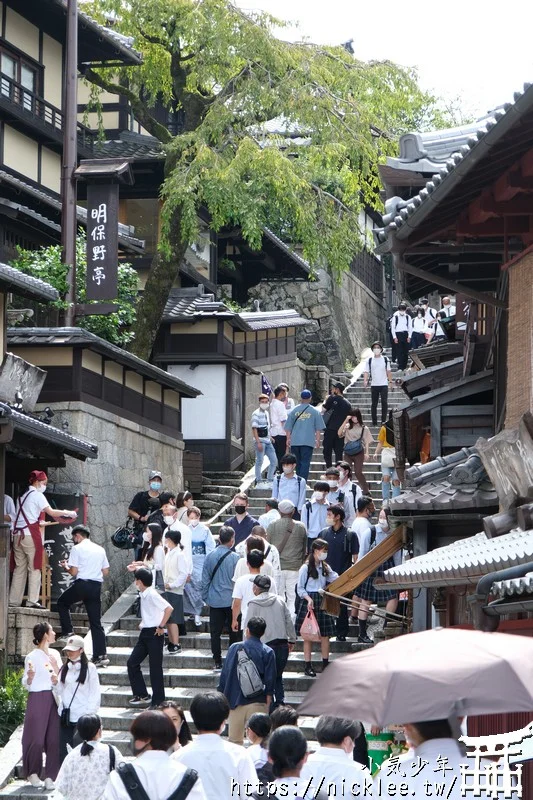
[138,107]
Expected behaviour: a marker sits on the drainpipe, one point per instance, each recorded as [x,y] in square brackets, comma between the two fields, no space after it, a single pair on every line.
[486,618]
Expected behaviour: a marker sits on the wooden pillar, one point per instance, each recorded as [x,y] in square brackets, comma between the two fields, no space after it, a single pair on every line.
[436,432]
[420,596]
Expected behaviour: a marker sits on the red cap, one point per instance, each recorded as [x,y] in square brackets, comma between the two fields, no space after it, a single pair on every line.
[37,475]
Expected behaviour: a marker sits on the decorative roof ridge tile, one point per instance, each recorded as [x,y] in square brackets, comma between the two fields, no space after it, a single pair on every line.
[27,283]
[451,166]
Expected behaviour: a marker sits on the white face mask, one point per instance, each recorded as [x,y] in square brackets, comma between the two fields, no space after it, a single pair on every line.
[193,523]
[318,496]
[342,475]
[383,524]
[41,489]
[168,520]
[333,484]
[376,351]
[288,468]
[147,537]
[322,556]
[263,406]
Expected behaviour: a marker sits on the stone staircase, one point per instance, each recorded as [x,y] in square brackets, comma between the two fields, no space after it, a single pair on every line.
[191,671]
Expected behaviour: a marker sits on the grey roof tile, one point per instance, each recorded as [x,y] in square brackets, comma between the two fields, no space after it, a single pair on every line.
[464,561]
[130,145]
[72,445]
[262,320]
[79,336]
[14,280]
[514,586]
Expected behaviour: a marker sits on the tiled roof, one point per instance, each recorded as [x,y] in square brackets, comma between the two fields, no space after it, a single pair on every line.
[12,279]
[71,445]
[261,320]
[463,562]
[437,468]
[125,232]
[514,586]
[130,145]
[79,336]
[123,44]
[285,247]
[408,213]
[188,303]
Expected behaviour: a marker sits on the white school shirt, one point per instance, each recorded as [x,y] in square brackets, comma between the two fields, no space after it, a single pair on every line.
[224,768]
[419,324]
[158,774]
[335,768]
[186,541]
[278,415]
[401,323]
[449,311]
[43,664]
[244,591]
[269,516]
[378,371]
[83,698]
[85,777]
[153,607]
[90,559]
[360,526]
[34,504]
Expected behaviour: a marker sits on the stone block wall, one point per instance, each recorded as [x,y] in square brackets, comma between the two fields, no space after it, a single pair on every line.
[296,375]
[127,452]
[349,316]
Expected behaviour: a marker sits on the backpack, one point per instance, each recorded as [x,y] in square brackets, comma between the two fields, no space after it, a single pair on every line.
[372,537]
[297,478]
[354,495]
[370,365]
[136,791]
[250,681]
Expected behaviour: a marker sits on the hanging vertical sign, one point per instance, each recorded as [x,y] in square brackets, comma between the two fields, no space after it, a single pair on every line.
[102,241]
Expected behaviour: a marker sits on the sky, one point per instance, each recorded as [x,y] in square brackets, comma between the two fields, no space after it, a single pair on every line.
[473,55]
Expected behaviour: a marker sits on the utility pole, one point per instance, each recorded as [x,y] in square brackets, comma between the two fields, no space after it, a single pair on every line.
[70,158]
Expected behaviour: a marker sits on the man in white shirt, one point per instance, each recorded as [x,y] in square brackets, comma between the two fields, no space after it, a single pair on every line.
[448,310]
[349,489]
[170,516]
[430,316]
[225,769]
[289,485]
[88,565]
[243,591]
[278,415]
[9,511]
[332,766]
[271,513]
[361,523]
[378,374]
[401,327]
[315,511]
[158,775]
[155,613]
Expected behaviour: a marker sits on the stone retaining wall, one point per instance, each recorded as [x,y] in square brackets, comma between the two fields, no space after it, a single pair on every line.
[349,316]
[127,452]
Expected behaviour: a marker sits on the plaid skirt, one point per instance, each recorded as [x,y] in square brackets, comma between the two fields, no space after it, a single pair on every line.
[326,622]
[367,590]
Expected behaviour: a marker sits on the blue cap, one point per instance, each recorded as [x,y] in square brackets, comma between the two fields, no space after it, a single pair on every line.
[306,394]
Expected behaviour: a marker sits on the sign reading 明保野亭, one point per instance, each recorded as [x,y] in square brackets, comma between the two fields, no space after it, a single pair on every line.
[102,241]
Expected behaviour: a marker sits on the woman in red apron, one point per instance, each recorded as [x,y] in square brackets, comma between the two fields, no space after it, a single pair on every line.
[28,540]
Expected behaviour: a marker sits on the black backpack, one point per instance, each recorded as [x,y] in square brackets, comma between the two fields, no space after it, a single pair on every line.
[136,791]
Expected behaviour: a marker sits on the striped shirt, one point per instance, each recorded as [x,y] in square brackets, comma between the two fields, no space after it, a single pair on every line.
[261,419]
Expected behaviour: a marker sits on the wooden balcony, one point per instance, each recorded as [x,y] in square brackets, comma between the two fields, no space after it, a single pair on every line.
[33,115]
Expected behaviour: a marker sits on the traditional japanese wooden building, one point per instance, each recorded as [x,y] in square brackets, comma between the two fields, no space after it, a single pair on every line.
[203,341]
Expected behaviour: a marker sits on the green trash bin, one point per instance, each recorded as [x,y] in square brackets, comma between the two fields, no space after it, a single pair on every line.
[380,748]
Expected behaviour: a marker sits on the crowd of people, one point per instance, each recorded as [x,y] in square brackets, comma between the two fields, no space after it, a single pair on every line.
[411,327]
[261,581]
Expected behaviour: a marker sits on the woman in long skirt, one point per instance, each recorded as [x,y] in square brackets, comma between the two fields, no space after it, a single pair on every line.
[41,723]
[313,577]
[202,544]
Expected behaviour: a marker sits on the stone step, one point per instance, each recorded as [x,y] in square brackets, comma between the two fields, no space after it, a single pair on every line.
[117,696]
[223,483]
[221,475]
[194,658]
[201,641]
[214,498]
[120,719]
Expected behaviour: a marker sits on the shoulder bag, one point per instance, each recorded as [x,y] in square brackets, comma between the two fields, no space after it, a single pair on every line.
[285,539]
[354,447]
[217,566]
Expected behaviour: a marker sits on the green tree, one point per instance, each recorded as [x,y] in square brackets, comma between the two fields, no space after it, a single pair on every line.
[47,265]
[226,73]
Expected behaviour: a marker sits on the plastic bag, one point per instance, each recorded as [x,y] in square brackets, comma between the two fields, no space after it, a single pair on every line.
[310,631]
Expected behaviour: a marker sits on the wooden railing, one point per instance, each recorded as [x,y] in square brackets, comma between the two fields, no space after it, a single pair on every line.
[40,109]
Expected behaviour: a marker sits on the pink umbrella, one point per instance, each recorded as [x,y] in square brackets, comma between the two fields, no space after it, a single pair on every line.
[430,675]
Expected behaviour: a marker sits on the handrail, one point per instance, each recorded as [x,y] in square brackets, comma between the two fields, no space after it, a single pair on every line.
[39,107]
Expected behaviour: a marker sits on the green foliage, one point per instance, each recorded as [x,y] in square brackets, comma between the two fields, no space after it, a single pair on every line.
[47,265]
[228,74]
[12,704]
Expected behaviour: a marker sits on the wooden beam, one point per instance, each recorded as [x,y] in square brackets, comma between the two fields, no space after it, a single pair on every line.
[362,569]
[452,286]
[517,206]
[436,432]
[494,227]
